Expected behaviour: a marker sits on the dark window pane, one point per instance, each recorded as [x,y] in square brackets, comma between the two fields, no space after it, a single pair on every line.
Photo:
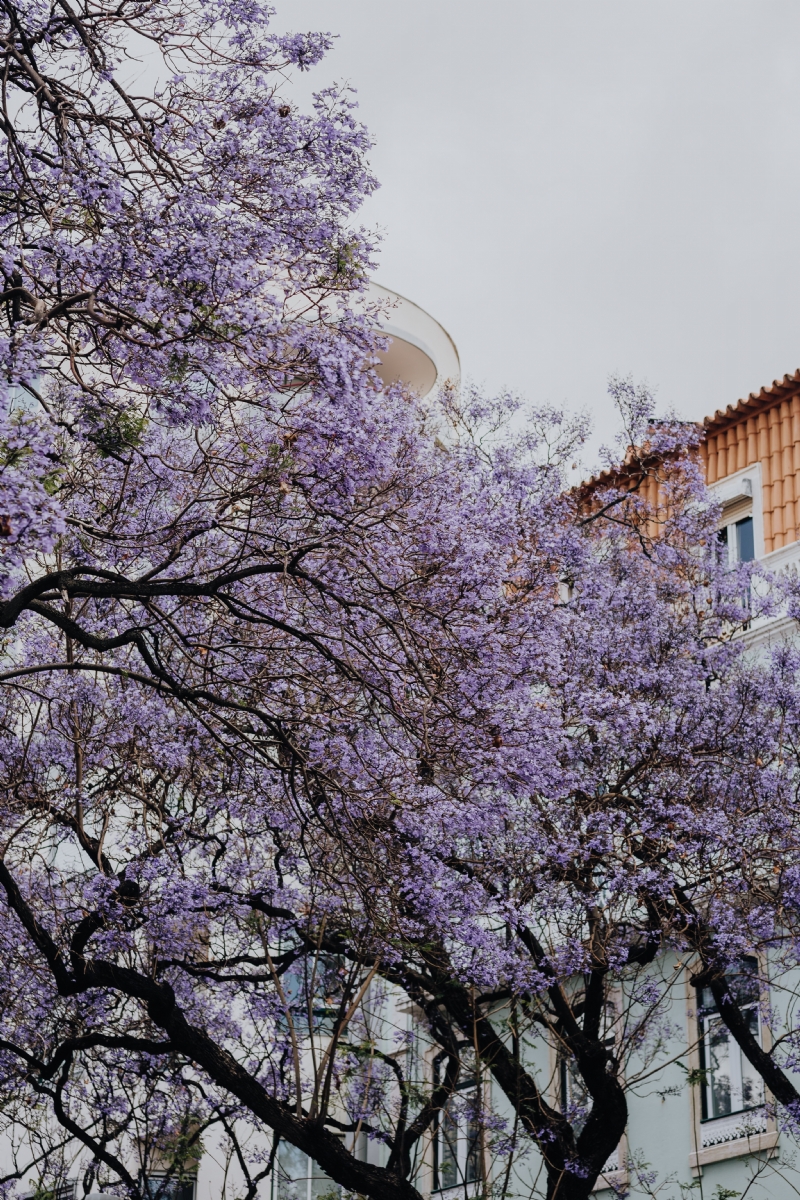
[718,1067]
[574,1096]
[323,1187]
[752,1083]
[160,1188]
[456,1146]
[744,981]
[473,1164]
[447,1165]
[744,540]
[722,545]
[291,1173]
[706,1001]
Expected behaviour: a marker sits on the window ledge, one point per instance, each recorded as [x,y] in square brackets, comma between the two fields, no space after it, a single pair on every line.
[755,1143]
[612,1179]
[457,1191]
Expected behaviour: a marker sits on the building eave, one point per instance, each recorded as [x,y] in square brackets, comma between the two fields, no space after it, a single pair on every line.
[753,404]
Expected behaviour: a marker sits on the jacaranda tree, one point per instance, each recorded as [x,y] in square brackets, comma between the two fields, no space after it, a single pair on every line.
[314,697]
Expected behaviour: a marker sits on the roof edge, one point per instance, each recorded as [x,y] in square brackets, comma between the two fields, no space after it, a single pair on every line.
[755,402]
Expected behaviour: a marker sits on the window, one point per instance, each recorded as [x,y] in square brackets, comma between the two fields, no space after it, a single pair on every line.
[326,972]
[456,1148]
[297,1177]
[67,1189]
[576,1102]
[159,1187]
[737,542]
[737,545]
[730,1084]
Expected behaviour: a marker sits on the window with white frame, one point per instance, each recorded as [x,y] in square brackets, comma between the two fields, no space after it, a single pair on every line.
[730,1084]
[737,541]
[297,1177]
[456,1147]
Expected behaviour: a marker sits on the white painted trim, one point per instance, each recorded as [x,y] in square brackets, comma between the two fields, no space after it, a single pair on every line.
[755,1144]
[740,489]
[784,556]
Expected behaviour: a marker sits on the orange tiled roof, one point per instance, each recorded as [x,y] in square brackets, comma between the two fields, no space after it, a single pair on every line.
[604,478]
[631,468]
[755,402]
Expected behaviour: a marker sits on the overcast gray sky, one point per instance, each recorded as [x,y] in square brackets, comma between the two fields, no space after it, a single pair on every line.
[580,187]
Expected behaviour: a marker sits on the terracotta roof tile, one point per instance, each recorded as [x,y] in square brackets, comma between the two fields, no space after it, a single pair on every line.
[755,402]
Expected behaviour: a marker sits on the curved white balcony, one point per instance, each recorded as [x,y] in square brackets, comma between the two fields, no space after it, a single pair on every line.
[421,353]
